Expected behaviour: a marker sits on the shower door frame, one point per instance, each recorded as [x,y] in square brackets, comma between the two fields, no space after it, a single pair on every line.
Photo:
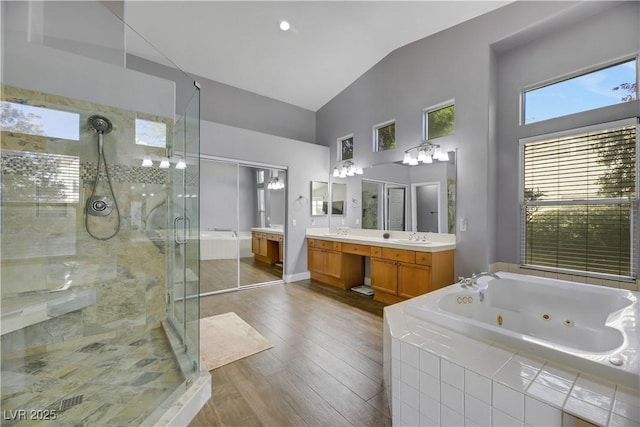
[182,240]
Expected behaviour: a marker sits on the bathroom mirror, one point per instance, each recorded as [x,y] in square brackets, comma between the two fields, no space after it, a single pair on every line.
[419,198]
[338,199]
[319,198]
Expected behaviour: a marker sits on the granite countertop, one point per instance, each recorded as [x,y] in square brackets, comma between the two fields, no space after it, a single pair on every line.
[397,240]
[279,231]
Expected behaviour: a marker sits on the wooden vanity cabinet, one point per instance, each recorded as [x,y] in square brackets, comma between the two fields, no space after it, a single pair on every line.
[398,274]
[267,247]
[328,264]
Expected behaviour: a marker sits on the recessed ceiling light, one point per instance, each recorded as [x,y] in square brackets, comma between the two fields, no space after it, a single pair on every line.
[284,25]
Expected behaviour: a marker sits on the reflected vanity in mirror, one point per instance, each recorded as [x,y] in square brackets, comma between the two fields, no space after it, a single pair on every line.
[319,198]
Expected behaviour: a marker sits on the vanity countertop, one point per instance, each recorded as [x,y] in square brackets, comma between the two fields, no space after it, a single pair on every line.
[279,231]
[436,242]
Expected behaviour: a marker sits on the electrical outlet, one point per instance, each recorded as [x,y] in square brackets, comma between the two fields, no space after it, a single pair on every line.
[463,224]
[294,223]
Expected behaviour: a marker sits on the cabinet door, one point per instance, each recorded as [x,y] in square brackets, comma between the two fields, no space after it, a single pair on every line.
[280,251]
[255,245]
[384,275]
[413,280]
[315,260]
[263,248]
[333,264]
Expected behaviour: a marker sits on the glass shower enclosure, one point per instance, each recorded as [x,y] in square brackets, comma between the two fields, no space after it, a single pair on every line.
[99,219]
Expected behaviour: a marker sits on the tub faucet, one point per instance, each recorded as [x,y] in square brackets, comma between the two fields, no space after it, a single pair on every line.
[475,277]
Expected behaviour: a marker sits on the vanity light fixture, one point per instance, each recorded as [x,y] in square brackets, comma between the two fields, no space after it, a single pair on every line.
[425,153]
[345,169]
[275,184]
[164,163]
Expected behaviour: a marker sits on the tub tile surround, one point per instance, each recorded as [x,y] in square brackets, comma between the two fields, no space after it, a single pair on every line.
[516,268]
[434,376]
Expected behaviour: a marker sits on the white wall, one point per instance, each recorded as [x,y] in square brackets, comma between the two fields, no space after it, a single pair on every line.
[304,162]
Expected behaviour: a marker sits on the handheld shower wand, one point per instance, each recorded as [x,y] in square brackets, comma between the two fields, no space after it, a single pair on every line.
[101,205]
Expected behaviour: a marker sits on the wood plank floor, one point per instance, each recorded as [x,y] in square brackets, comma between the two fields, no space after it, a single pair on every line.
[222,274]
[325,368]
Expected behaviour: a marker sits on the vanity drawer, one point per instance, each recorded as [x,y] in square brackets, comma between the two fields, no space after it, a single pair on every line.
[423,258]
[259,235]
[376,251]
[399,255]
[354,248]
[325,244]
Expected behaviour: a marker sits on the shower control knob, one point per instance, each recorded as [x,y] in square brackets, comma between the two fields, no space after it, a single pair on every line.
[100,206]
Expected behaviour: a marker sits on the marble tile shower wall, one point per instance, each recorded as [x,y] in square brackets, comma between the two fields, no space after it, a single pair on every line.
[44,239]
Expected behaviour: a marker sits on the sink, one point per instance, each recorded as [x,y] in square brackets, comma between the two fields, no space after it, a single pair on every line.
[410,242]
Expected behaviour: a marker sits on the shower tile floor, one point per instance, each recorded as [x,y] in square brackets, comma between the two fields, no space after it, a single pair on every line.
[121,380]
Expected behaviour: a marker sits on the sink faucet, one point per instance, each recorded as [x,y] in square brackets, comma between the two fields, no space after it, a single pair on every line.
[414,236]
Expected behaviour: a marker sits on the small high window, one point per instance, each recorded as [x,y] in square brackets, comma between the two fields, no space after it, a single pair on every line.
[345,148]
[601,88]
[27,119]
[439,121]
[153,134]
[385,136]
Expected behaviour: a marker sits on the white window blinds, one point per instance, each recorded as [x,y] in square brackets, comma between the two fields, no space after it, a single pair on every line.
[580,201]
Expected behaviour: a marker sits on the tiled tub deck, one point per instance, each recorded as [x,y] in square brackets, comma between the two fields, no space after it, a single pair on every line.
[435,377]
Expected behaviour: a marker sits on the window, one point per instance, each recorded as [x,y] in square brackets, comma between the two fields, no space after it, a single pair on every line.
[439,121]
[580,200]
[345,148]
[27,119]
[153,134]
[385,136]
[600,88]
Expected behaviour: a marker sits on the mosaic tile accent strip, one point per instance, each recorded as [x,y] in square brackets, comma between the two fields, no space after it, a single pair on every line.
[50,171]
[122,173]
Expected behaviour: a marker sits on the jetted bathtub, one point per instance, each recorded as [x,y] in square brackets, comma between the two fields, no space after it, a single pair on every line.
[223,244]
[590,328]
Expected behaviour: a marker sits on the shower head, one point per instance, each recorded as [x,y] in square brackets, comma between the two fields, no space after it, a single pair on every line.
[100,124]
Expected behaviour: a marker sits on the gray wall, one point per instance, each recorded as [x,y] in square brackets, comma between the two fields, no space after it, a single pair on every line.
[231,106]
[454,64]
[608,36]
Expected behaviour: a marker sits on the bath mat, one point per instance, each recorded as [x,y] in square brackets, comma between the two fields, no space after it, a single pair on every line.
[226,338]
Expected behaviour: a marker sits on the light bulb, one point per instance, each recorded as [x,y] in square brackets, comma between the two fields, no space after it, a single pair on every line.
[181,164]
[422,156]
[407,158]
[284,25]
[164,163]
[147,163]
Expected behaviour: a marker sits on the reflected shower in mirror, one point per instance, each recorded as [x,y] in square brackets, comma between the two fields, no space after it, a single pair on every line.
[338,199]
[319,198]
